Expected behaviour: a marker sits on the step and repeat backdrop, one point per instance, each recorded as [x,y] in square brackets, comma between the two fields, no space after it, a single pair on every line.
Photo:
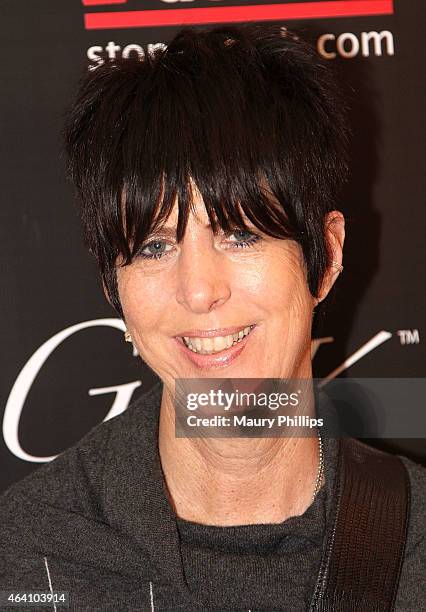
[64,364]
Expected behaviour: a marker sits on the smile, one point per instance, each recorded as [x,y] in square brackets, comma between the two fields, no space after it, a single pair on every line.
[216,344]
[213,356]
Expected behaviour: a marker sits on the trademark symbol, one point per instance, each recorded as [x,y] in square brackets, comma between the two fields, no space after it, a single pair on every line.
[408,336]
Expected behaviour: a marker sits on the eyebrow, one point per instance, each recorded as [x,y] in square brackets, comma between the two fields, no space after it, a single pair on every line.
[169,231]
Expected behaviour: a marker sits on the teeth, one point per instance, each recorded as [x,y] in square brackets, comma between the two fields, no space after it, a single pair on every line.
[209,346]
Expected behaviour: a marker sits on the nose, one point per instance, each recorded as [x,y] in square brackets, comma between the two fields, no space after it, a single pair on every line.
[202,280]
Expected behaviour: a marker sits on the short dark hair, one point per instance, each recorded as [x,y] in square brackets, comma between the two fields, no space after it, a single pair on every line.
[233,109]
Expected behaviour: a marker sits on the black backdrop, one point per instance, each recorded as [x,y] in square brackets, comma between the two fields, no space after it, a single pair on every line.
[60,337]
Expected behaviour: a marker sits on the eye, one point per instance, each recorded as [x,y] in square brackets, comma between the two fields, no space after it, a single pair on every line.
[245,238]
[154,249]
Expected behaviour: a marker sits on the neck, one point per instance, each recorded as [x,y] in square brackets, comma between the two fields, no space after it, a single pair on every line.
[236,481]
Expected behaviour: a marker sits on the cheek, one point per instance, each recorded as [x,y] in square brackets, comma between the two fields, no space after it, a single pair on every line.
[144,300]
[280,281]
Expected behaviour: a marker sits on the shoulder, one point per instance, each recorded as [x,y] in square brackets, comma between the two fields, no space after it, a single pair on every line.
[417,516]
[70,489]
[59,510]
[412,591]
[65,480]
[416,474]
[43,503]
[80,467]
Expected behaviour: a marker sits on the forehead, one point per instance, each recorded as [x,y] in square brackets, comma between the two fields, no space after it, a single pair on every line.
[198,212]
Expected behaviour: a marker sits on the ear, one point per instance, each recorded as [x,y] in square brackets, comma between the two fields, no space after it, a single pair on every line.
[334,230]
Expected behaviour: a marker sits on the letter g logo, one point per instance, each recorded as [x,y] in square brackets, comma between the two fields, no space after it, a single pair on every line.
[20,389]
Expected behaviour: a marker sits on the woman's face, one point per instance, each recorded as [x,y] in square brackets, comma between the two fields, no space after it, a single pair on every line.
[212,282]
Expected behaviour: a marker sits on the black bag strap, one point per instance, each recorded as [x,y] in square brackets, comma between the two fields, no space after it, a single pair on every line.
[364,548]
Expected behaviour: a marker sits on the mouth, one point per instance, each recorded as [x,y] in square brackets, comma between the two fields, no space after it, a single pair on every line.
[215,351]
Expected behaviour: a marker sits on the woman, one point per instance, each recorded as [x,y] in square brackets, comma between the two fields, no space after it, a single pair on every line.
[208,175]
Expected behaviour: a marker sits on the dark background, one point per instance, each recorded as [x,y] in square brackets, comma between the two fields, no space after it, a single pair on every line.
[49,283]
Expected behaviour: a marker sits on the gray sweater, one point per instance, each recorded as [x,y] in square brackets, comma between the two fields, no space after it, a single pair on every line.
[97,524]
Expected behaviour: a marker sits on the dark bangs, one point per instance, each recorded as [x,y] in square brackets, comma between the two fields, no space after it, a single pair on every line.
[250,114]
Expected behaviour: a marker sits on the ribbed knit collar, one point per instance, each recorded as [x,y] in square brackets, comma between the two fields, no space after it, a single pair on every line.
[271,538]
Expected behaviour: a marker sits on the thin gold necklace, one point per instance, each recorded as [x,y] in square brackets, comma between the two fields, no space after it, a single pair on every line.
[320,468]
